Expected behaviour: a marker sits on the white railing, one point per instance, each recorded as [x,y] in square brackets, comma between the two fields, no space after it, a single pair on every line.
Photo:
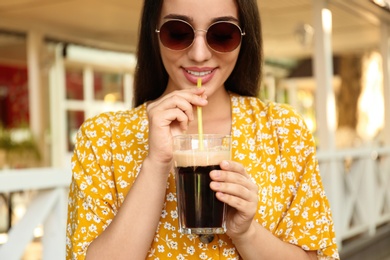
[47,208]
[356,181]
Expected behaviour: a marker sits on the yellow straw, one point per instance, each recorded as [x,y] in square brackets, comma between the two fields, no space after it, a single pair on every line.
[200,124]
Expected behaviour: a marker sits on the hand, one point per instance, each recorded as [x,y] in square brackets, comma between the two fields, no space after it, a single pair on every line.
[169,116]
[235,187]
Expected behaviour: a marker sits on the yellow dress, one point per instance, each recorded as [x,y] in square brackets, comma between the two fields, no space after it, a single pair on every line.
[271,140]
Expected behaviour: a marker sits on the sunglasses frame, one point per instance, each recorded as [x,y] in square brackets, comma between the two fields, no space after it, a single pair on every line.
[242,33]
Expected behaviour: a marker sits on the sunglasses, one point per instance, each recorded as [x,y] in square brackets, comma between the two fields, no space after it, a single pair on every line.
[221,36]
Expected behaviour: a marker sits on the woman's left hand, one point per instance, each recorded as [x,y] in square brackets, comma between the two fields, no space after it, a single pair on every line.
[235,187]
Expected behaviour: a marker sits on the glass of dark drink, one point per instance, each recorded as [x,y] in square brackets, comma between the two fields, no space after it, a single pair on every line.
[199,211]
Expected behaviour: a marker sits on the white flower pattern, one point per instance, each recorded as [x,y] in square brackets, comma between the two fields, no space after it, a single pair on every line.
[271,140]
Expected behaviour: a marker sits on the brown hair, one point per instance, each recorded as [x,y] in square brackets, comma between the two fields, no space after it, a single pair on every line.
[151,77]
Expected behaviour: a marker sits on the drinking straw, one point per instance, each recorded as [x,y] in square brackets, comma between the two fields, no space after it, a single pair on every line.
[200,120]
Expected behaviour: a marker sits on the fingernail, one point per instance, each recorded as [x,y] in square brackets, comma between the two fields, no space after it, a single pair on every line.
[215,174]
[224,164]
[215,185]
[202,100]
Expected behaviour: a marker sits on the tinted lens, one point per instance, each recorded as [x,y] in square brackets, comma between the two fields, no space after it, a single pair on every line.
[223,36]
[176,35]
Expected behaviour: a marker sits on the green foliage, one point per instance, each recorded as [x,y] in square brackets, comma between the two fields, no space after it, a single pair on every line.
[18,141]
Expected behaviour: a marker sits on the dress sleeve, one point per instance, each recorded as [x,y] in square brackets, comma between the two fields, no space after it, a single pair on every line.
[92,201]
[308,220]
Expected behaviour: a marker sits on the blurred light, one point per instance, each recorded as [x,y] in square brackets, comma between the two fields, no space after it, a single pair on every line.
[327,20]
[311,123]
[20,135]
[3,238]
[110,97]
[38,231]
[371,100]
[382,3]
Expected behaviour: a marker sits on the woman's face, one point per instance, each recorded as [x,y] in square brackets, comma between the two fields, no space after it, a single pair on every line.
[184,67]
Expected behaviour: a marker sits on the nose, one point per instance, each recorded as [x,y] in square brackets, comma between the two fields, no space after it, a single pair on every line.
[199,50]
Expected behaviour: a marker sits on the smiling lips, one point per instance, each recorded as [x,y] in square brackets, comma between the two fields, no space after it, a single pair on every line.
[192,74]
[199,73]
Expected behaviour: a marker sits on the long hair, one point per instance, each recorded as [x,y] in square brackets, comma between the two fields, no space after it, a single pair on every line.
[151,78]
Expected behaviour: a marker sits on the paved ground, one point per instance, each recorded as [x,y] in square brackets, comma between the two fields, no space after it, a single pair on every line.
[369,248]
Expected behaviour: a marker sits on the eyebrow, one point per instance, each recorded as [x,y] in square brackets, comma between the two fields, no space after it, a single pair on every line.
[189,19]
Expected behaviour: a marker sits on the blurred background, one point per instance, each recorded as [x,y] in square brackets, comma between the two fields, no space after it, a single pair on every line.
[62,61]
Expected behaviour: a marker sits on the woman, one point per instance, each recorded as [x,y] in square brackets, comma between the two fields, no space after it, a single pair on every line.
[122,202]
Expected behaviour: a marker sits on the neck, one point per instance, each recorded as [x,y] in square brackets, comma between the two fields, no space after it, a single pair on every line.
[218,103]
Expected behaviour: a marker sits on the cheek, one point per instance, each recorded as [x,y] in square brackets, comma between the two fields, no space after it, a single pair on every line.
[230,62]
[170,60]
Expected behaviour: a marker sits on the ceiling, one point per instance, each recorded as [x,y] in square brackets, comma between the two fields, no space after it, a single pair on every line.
[113,24]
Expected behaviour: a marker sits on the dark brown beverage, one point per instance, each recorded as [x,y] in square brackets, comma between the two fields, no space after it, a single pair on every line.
[199,210]
[200,207]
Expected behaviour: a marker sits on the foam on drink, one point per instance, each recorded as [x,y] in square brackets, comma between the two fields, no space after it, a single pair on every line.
[188,158]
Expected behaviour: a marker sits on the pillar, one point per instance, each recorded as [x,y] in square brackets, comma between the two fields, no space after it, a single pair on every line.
[35,89]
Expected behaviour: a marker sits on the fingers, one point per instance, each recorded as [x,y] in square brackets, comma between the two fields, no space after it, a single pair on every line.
[177,105]
[169,116]
[234,167]
[235,187]
[234,173]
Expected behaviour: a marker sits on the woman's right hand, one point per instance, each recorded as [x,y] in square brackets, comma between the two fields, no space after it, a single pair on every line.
[169,116]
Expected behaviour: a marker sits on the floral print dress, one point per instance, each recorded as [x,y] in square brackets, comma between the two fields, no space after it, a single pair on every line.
[271,140]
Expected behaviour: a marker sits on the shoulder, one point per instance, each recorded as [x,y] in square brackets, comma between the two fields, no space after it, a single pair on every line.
[272,111]
[117,118]
[109,122]
[246,102]
[277,119]
[283,114]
